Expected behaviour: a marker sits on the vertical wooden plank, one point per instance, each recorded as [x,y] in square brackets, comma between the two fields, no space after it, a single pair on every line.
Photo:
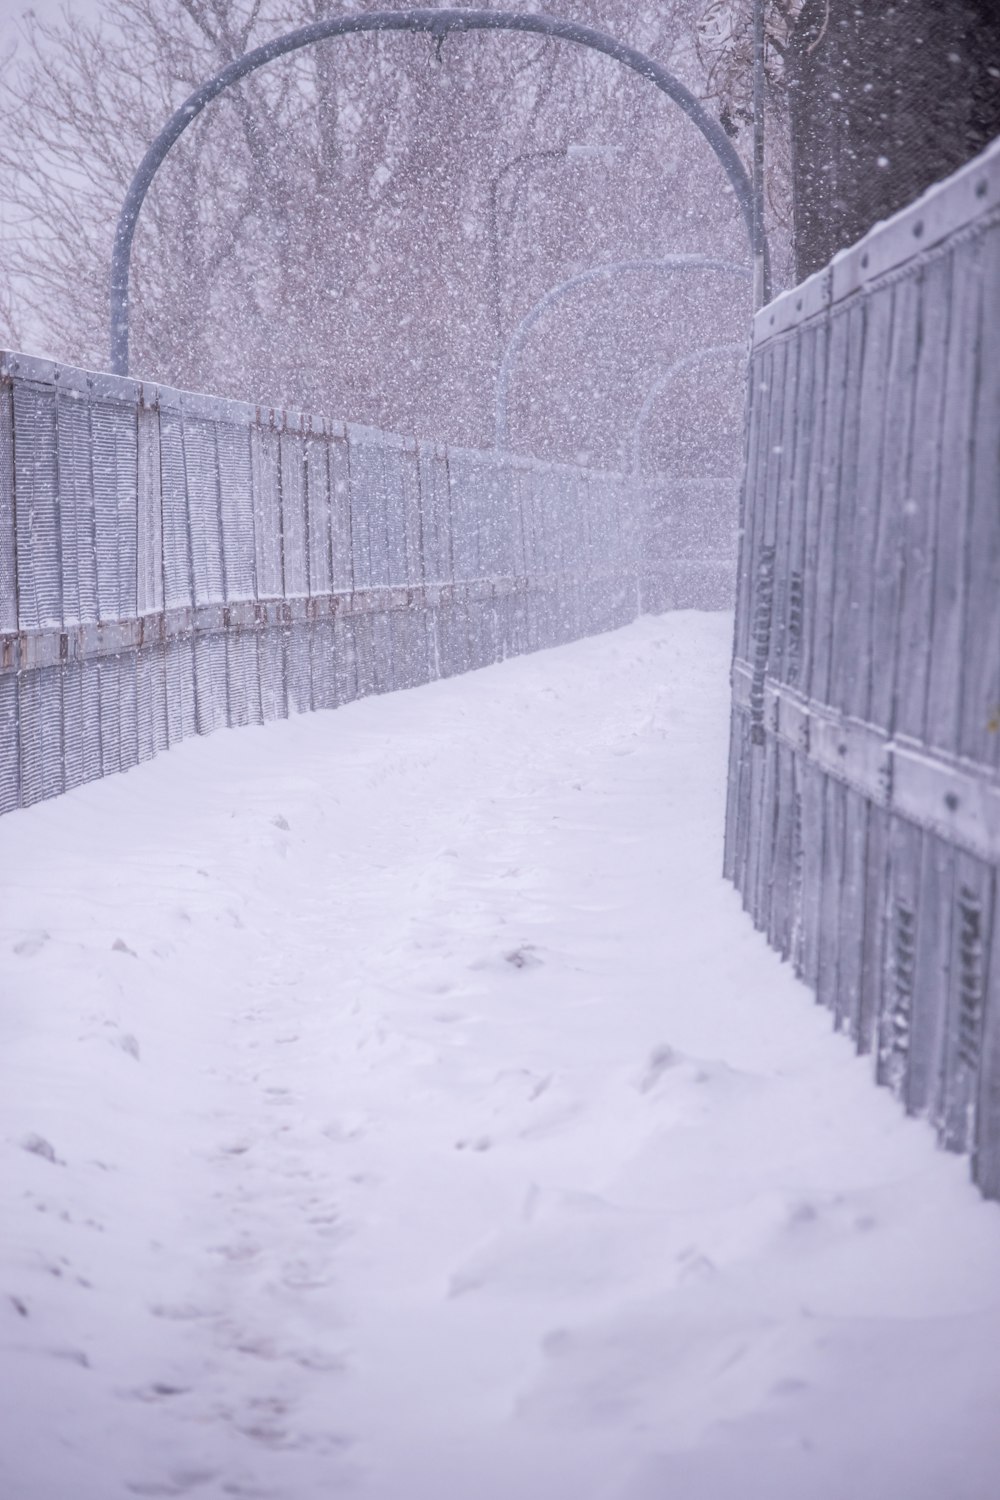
[852,914]
[898,407]
[956,1100]
[980,718]
[813,508]
[812,831]
[827,532]
[931,975]
[857,645]
[986,1155]
[920,506]
[845,577]
[758,408]
[876,896]
[732,856]
[947,646]
[831,892]
[787,434]
[789,660]
[895,1019]
[780,906]
[762,543]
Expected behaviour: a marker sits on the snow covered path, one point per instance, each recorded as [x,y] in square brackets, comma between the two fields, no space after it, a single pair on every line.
[396,1103]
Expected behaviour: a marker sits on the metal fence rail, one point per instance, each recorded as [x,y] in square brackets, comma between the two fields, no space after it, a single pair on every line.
[172,563]
[863,825]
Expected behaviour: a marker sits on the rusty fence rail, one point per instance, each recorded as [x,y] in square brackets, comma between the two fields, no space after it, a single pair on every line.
[863,824]
[171,563]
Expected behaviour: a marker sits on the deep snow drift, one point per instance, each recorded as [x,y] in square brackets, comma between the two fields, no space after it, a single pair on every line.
[396,1103]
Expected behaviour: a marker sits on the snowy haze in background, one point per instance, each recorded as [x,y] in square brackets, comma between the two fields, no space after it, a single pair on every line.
[325,240]
[396,1103]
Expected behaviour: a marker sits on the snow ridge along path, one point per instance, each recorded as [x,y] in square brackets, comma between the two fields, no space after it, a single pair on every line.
[396,1103]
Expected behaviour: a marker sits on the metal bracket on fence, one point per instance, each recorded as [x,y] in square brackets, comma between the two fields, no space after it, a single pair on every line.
[922,785]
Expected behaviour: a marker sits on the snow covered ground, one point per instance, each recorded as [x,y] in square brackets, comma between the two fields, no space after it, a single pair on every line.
[396,1103]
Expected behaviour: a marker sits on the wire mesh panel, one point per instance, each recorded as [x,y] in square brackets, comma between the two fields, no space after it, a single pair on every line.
[266,504]
[435,514]
[39,562]
[8,564]
[178,578]
[863,824]
[294,532]
[464,516]
[394,482]
[341,570]
[236,514]
[149,515]
[77,520]
[367,547]
[114,439]
[10,744]
[317,481]
[204,504]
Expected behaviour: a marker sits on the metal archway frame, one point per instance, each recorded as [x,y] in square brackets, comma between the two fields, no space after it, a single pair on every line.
[686,362]
[437,24]
[664,264]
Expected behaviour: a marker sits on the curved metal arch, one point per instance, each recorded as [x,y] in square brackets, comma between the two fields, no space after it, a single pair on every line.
[438,24]
[713,351]
[668,263]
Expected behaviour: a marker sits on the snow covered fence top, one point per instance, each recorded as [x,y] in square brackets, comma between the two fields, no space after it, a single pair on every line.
[864,808]
[172,562]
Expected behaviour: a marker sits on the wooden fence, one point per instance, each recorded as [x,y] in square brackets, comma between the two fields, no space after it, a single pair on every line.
[171,563]
[863,825]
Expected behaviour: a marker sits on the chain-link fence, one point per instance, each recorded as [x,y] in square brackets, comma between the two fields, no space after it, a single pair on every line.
[172,563]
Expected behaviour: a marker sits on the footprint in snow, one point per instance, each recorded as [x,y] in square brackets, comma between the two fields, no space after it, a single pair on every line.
[37,1145]
[180,1312]
[660,1059]
[525,957]
[234,1148]
[158,1390]
[180,1482]
[31,943]
[479,1143]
